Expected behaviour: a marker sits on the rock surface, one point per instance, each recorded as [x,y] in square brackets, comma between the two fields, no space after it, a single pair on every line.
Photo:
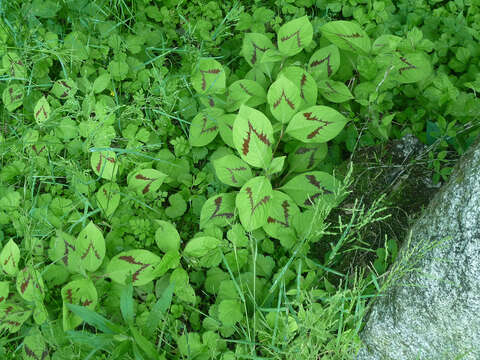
[432,308]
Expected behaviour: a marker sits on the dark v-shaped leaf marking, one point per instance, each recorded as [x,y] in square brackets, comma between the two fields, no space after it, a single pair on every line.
[285,222]
[12,97]
[349,36]
[204,80]
[231,171]
[319,62]
[253,206]
[303,150]
[150,181]
[109,159]
[253,60]
[8,259]
[297,34]
[205,129]
[31,353]
[308,116]
[244,88]
[41,110]
[246,141]
[87,251]
[324,191]
[131,260]
[68,247]
[65,93]
[302,85]
[410,66]
[332,89]
[38,152]
[283,96]
[218,204]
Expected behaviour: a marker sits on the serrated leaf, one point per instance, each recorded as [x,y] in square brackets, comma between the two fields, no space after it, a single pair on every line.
[166,236]
[246,92]
[12,97]
[304,82]
[145,180]
[204,127]
[41,112]
[90,247]
[284,99]
[253,202]
[230,312]
[334,91]
[325,62]
[306,156]
[104,164]
[316,124]
[294,36]
[78,292]
[347,35]
[9,258]
[34,347]
[209,77]
[254,46]
[308,188]
[12,316]
[282,210]
[30,284]
[253,137]
[140,265]
[218,210]
[108,198]
[201,246]
[64,88]
[225,126]
[231,170]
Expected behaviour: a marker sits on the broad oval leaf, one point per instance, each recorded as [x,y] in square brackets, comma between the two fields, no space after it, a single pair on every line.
[253,137]
[308,188]
[9,258]
[12,97]
[108,198]
[306,156]
[14,65]
[209,77]
[334,91]
[386,44]
[254,46]
[104,164]
[204,127]
[63,249]
[139,265]
[410,68]
[253,202]
[146,180]
[12,316]
[284,99]
[218,210]
[282,210]
[41,112]
[30,284]
[90,247]
[316,124]
[166,236]
[4,290]
[231,170]
[77,292]
[225,126]
[64,88]
[294,36]
[347,35]
[304,82]
[246,92]
[34,347]
[201,246]
[325,62]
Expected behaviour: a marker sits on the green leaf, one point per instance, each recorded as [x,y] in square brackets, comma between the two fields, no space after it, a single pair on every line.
[253,203]
[231,170]
[282,210]
[277,165]
[253,137]
[308,188]
[230,312]
[90,247]
[334,91]
[204,127]
[178,206]
[284,99]
[118,70]
[34,347]
[12,316]
[246,92]
[201,246]
[126,303]
[30,284]
[209,77]
[95,320]
[166,236]
[316,124]
[183,290]
[41,112]
[104,164]
[410,68]
[347,36]
[225,126]
[254,46]
[9,258]
[386,44]
[64,248]
[294,36]
[108,198]
[4,290]
[138,264]
[159,310]
[14,65]
[218,210]
[64,88]
[147,347]
[12,97]
[78,292]
[146,180]
[306,156]
[325,62]
[101,83]
[304,82]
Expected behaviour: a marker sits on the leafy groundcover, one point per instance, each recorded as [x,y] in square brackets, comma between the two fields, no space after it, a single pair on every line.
[173,186]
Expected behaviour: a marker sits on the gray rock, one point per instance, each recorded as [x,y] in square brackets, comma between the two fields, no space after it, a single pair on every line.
[431,309]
